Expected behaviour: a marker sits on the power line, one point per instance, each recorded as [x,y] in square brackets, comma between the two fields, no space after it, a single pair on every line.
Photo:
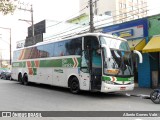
[92,28]
[60,21]
[62,31]
[82,10]
[101,24]
[87,7]
[32,22]
[68,17]
[96,22]
[124,13]
[124,18]
[51,37]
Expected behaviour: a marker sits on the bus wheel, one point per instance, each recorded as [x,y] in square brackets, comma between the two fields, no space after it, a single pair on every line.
[20,78]
[25,79]
[74,86]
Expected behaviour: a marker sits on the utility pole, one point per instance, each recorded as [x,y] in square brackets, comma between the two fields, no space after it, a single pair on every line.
[31,21]
[10,44]
[91,16]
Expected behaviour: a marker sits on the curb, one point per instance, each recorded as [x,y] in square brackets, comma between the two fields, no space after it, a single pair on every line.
[139,95]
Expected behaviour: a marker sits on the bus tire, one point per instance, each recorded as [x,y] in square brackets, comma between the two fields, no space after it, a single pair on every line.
[20,79]
[74,85]
[25,79]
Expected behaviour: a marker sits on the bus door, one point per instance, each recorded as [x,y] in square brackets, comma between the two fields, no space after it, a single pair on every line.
[91,61]
[84,71]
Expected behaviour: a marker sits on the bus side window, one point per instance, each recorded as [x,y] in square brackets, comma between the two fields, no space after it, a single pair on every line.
[48,48]
[74,46]
[59,49]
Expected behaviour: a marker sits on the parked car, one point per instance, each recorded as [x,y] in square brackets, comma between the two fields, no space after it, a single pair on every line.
[1,72]
[6,75]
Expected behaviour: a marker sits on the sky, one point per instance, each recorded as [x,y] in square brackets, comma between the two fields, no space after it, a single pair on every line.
[58,10]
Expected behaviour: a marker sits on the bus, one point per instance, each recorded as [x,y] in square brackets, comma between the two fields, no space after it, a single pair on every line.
[90,62]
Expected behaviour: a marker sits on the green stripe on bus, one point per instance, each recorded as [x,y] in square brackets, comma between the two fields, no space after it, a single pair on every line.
[50,63]
[123,79]
[19,64]
[105,78]
[66,62]
[108,78]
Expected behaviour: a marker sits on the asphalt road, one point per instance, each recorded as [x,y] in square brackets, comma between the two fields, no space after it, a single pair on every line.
[38,97]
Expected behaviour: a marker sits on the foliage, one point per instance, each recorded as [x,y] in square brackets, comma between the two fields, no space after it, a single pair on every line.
[7,6]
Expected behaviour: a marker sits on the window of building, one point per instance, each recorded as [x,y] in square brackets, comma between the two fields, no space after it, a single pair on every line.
[125,15]
[96,11]
[124,5]
[141,2]
[130,8]
[120,5]
[108,13]
[129,0]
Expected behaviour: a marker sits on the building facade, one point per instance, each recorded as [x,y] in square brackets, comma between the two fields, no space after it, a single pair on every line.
[142,35]
[153,49]
[120,10]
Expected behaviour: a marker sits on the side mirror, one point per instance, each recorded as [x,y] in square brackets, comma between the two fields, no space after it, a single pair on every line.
[139,55]
[107,51]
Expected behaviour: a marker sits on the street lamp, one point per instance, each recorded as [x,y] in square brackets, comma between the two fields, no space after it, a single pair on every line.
[10,48]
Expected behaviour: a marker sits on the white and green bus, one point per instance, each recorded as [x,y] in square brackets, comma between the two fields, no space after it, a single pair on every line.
[91,62]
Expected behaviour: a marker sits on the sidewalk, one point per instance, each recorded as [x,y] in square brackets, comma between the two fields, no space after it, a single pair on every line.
[139,92]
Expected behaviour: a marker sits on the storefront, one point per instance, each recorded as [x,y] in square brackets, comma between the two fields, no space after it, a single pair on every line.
[153,49]
[136,33]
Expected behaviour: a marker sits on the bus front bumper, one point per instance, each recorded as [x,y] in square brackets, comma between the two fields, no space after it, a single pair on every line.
[113,88]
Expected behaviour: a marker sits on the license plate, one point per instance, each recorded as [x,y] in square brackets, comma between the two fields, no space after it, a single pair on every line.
[122,88]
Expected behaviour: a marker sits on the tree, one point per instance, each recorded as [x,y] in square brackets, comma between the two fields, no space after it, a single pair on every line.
[7,6]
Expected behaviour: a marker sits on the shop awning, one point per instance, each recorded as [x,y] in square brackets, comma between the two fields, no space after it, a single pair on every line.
[153,45]
[137,44]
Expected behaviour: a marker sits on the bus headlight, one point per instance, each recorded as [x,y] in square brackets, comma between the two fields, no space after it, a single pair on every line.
[132,80]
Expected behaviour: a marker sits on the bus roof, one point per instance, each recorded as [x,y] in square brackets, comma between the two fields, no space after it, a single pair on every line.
[76,36]
[81,35]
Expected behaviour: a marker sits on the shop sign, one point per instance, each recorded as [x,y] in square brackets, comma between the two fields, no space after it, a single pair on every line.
[20,44]
[123,34]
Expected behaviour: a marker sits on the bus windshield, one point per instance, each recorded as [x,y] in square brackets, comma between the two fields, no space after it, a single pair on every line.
[120,61]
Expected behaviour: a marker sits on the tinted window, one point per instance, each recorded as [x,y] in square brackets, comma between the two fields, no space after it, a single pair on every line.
[74,46]
[60,49]
[27,53]
[16,55]
[41,51]
[49,48]
[34,53]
